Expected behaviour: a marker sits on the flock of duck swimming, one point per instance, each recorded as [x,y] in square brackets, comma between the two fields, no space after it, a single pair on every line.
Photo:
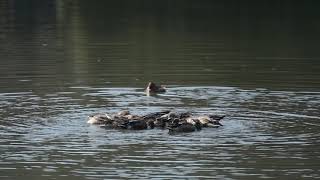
[175,122]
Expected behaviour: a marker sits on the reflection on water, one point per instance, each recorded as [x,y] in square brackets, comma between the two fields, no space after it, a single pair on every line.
[257,63]
[129,43]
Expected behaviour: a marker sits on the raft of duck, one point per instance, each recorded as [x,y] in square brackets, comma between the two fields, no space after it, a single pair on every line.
[175,122]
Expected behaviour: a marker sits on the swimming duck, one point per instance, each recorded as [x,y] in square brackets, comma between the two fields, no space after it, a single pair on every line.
[126,120]
[152,88]
[132,124]
[155,115]
[156,118]
[207,120]
[99,119]
[184,127]
[108,119]
[167,119]
[137,125]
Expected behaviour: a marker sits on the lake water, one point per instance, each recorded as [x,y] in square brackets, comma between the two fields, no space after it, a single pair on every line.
[258,63]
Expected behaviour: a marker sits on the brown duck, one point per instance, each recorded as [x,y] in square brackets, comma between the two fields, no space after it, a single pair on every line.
[152,88]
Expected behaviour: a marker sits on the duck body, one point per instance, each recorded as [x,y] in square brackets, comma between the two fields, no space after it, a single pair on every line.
[136,125]
[184,127]
[163,121]
[155,115]
[206,120]
[123,120]
[99,119]
[167,119]
[108,119]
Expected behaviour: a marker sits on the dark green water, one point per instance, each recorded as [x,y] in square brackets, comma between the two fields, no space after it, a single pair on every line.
[258,62]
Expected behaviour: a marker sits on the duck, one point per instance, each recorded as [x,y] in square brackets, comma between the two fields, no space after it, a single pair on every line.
[155,115]
[126,114]
[132,124]
[165,119]
[99,119]
[184,127]
[152,88]
[137,125]
[156,118]
[206,120]
[126,120]
[168,117]
[107,119]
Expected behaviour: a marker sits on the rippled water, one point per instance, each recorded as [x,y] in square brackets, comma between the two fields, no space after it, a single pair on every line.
[61,61]
[265,134]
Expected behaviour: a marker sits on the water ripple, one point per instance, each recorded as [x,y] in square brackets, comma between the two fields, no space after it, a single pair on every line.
[52,133]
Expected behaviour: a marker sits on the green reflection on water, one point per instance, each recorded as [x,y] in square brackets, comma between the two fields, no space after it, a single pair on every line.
[126,43]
